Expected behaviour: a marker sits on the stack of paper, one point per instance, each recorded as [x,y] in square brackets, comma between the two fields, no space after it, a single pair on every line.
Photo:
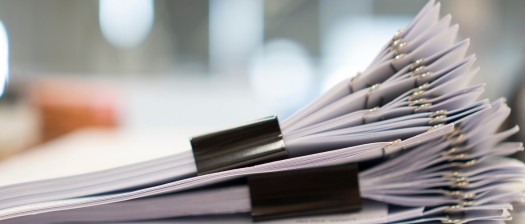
[433,146]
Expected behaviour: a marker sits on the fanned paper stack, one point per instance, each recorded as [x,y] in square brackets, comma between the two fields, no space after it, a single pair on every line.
[429,151]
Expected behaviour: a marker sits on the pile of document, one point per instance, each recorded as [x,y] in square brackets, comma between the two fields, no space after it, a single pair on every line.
[429,151]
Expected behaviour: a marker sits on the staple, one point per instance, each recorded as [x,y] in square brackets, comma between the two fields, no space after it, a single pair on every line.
[422,106]
[438,113]
[367,113]
[435,126]
[390,144]
[399,47]
[467,202]
[396,57]
[453,207]
[460,184]
[469,163]
[461,179]
[422,87]
[372,88]
[417,102]
[468,196]
[351,84]
[416,82]
[448,152]
[455,218]
[437,118]
[460,194]
[418,69]
[456,157]
[395,43]
[397,34]
[417,63]
[416,93]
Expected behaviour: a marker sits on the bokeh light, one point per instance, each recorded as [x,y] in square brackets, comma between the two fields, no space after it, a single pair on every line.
[126,23]
[282,76]
[4,58]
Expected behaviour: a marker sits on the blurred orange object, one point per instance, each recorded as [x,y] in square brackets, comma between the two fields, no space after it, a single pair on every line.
[65,105]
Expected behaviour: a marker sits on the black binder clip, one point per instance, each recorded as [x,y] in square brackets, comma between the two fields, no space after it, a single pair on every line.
[311,191]
[259,141]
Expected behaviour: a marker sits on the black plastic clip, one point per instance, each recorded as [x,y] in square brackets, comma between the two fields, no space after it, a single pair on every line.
[259,141]
[312,191]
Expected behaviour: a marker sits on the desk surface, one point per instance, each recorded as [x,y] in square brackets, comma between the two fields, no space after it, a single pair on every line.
[93,149]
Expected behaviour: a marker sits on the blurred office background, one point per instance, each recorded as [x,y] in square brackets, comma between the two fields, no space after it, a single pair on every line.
[150,66]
